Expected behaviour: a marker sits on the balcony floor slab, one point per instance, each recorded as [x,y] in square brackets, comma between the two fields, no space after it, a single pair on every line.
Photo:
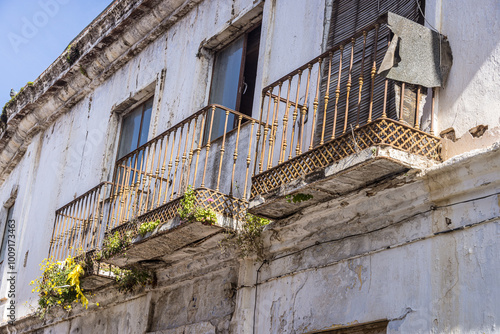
[357,171]
[97,281]
[165,241]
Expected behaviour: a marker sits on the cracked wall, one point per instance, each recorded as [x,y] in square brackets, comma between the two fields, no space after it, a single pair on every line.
[378,253]
[421,255]
[75,149]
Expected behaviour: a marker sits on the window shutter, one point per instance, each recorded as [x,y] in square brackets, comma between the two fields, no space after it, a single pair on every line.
[348,17]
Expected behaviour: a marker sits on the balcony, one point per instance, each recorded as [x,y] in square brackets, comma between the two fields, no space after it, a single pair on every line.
[333,126]
[150,181]
[80,224]
[79,228]
[328,128]
[149,184]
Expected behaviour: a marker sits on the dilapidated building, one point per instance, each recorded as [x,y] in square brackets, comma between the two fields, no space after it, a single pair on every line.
[366,131]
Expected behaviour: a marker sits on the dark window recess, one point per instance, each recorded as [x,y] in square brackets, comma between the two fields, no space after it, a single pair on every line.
[5,235]
[348,17]
[247,89]
[135,127]
[233,81]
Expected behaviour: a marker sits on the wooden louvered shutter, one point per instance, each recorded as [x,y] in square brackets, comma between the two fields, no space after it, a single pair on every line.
[348,17]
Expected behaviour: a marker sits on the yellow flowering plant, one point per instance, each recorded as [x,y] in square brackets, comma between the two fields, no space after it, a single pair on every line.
[59,285]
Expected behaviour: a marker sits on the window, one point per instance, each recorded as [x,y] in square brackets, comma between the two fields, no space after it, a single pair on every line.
[135,127]
[5,235]
[233,80]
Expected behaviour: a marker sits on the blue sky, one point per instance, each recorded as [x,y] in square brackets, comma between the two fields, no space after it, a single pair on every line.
[33,33]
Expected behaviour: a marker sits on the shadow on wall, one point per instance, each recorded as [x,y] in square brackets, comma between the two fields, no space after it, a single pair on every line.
[471,91]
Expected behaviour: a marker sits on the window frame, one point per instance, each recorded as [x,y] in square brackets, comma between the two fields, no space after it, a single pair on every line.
[239,88]
[242,64]
[240,79]
[126,114]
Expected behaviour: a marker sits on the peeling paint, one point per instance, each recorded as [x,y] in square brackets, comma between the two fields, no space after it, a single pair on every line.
[423,237]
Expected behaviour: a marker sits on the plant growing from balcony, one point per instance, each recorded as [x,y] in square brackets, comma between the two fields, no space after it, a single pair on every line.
[191,212]
[205,216]
[248,239]
[298,198]
[128,279]
[188,203]
[145,228]
[114,244]
[59,285]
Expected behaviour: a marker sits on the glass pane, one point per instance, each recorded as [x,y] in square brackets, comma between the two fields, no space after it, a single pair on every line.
[130,132]
[224,90]
[148,107]
[226,75]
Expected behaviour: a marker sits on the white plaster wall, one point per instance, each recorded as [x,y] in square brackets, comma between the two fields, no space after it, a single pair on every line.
[429,286]
[388,259]
[16,179]
[471,96]
[293,33]
[77,152]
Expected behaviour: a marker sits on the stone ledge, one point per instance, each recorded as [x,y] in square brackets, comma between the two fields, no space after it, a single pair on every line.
[161,244]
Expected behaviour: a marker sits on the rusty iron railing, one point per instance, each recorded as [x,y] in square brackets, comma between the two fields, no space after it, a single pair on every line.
[78,226]
[335,105]
[153,177]
[149,182]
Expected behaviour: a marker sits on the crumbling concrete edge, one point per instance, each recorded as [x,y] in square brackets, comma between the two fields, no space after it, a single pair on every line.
[411,161]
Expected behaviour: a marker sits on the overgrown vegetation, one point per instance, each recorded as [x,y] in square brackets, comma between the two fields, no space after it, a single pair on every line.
[248,240]
[59,285]
[4,116]
[145,228]
[188,202]
[298,198]
[72,54]
[128,279]
[83,72]
[114,244]
[191,212]
[205,216]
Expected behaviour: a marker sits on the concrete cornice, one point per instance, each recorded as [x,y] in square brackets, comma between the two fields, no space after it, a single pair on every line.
[122,31]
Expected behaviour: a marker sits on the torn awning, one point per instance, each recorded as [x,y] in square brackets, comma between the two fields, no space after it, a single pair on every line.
[416,55]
